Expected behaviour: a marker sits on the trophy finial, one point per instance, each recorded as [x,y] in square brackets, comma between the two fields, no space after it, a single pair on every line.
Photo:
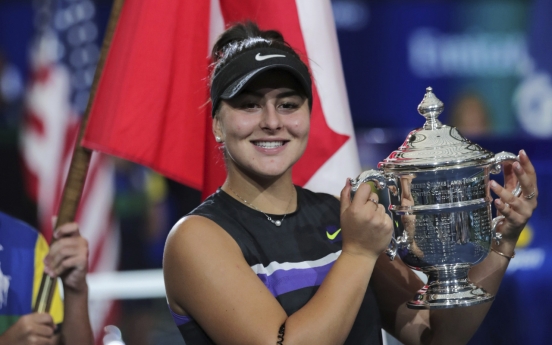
[430,108]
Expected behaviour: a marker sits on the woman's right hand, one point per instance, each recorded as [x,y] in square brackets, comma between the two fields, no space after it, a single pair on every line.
[366,227]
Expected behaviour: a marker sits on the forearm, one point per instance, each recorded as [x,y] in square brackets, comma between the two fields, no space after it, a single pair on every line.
[76,324]
[329,316]
[488,275]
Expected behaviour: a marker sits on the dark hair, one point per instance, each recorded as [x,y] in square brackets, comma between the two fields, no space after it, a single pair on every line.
[242,37]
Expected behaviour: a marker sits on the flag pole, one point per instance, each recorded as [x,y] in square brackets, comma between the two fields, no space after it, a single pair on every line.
[78,169]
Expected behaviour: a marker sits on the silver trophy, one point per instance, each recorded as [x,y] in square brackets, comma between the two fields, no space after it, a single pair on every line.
[440,203]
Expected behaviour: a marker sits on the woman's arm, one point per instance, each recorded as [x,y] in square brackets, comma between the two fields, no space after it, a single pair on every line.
[395,284]
[207,277]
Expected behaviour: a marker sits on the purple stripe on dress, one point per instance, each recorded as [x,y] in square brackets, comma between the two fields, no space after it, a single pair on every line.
[179,319]
[283,281]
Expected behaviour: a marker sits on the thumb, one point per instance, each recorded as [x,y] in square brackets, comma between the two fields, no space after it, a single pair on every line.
[345,196]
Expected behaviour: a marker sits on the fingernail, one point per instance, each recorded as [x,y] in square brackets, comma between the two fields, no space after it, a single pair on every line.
[517,166]
[494,184]
[523,153]
[499,202]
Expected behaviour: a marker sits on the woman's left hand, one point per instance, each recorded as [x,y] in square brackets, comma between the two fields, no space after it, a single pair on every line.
[516,210]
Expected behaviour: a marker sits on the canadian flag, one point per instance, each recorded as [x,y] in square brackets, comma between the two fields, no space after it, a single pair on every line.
[151,106]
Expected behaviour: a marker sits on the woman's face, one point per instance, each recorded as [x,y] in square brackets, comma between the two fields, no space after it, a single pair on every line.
[265,128]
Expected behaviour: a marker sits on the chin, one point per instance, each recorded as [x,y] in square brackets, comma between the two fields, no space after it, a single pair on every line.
[266,167]
[269,172]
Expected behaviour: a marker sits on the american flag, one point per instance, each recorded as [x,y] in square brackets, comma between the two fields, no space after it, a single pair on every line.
[63,62]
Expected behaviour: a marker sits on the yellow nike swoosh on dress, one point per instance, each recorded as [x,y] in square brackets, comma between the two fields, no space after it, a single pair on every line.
[334,235]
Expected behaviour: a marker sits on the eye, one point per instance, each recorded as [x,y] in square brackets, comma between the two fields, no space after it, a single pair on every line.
[249,105]
[289,105]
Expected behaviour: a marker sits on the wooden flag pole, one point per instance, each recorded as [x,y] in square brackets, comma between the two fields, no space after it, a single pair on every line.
[76,177]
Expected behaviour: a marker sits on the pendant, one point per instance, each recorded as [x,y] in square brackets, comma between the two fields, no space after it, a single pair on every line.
[277,222]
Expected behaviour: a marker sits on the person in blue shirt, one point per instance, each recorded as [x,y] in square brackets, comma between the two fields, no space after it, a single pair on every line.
[24,256]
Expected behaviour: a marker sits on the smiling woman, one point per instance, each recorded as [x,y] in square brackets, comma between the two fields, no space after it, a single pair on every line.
[262,261]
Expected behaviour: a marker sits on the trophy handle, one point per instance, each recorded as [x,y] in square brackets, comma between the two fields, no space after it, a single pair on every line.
[391,250]
[496,169]
[381,182]
[497,236]
[372,175]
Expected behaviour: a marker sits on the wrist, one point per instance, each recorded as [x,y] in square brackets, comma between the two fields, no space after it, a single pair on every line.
[506,249]
[362,256]
[81,290]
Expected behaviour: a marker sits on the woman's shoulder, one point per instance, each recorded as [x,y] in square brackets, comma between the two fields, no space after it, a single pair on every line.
[193,228]
[195,245]
[193,239]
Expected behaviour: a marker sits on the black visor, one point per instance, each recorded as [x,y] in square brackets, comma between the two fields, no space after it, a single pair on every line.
[239,71]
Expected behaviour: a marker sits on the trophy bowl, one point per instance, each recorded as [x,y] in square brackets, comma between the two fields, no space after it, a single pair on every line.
[440,204]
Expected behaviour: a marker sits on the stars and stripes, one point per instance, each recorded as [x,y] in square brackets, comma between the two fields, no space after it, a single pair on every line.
[63,62]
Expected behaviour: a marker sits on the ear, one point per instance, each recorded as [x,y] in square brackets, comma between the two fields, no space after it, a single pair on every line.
[217,128]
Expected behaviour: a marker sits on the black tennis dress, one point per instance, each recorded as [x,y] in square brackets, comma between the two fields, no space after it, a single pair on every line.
[291,260]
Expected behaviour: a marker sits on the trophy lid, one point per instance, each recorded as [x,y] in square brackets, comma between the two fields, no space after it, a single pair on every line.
[434,145]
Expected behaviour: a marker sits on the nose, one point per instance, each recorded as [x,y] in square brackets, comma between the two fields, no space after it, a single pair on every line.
[271,120]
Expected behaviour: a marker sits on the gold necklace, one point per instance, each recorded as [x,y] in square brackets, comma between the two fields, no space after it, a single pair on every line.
[277,222]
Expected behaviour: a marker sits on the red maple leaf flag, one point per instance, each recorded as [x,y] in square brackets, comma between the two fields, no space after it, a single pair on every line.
[151,106]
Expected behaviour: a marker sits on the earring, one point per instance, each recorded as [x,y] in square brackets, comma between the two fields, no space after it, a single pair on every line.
[218,139]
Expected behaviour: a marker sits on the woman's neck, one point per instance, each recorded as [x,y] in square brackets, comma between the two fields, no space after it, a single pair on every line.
[275,195]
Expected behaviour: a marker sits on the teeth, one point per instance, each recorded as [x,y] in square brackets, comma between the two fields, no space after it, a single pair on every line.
[269,144]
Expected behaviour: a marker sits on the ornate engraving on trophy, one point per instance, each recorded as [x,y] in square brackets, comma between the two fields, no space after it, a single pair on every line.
[442,192]
[439,237]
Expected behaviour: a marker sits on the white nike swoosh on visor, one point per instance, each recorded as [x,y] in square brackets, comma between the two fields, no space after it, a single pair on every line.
[260,57]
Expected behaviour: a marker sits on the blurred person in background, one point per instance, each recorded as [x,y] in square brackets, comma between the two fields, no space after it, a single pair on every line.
[11,93]
[142,209]
[470,116]
[262,261]
[24,256]
[18,204]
